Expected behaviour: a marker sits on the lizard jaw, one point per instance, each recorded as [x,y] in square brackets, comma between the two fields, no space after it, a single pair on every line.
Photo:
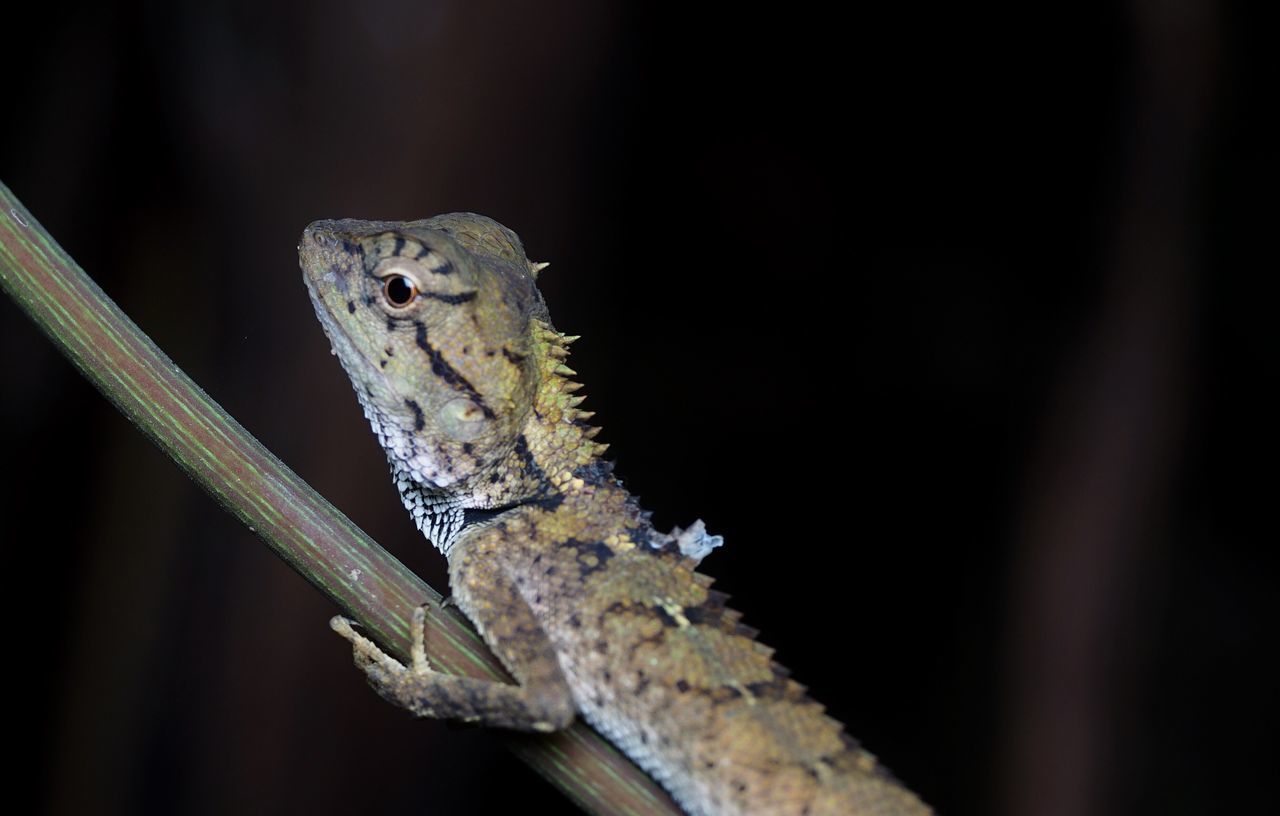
[373,388]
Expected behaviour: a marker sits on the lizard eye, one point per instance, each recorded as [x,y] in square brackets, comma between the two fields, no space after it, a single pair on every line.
[399,290]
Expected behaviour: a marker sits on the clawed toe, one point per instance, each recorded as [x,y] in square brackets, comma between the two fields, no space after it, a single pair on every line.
[376,663]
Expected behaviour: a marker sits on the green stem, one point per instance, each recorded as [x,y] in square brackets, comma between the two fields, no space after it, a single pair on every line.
[310,534]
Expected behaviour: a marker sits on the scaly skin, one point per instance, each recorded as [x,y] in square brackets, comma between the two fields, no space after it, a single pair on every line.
[450,349]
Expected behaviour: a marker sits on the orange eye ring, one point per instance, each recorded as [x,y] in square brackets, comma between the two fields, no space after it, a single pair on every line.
[399,290]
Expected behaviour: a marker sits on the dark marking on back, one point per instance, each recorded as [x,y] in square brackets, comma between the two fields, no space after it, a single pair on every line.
[616,608]
[528,463]
[596,472]
[548,503]
[592,556]
[708,613]
[772,690]
[724,694]
[514,357]
[664,616]
[642,536]
[351,307]
[635,607]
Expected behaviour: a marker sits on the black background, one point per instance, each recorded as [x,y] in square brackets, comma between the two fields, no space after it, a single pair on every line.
[954,321]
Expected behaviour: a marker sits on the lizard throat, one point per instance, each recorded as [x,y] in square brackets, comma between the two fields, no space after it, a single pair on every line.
[403,448]
[438,514]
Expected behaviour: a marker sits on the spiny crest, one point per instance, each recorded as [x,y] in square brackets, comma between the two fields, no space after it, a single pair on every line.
[715,612]
[558,400]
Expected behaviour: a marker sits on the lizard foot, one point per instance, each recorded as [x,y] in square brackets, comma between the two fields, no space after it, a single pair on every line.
[392,679]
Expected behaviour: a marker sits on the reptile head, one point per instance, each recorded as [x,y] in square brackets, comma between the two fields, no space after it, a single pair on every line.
[431,320]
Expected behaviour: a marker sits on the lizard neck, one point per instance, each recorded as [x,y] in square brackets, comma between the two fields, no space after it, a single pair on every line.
[553,459]
[573,494]
[555,466]
[557,447]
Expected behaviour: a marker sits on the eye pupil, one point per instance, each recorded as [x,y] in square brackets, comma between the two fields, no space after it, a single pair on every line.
[399,290]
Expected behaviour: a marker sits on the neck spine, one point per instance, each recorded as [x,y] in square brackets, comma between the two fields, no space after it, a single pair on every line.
[558,438]
[554,457]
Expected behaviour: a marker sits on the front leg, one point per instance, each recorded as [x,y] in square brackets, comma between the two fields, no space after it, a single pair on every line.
[540,702]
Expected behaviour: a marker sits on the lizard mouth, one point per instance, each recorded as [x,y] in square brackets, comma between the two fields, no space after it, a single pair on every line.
[342,344]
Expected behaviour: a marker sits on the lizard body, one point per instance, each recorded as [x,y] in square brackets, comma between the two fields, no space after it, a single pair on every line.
[450,349]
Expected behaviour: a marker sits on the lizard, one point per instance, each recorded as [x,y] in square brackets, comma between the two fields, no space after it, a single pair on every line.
[452,354]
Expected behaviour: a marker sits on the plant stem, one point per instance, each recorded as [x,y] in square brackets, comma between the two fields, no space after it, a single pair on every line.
[299,525]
